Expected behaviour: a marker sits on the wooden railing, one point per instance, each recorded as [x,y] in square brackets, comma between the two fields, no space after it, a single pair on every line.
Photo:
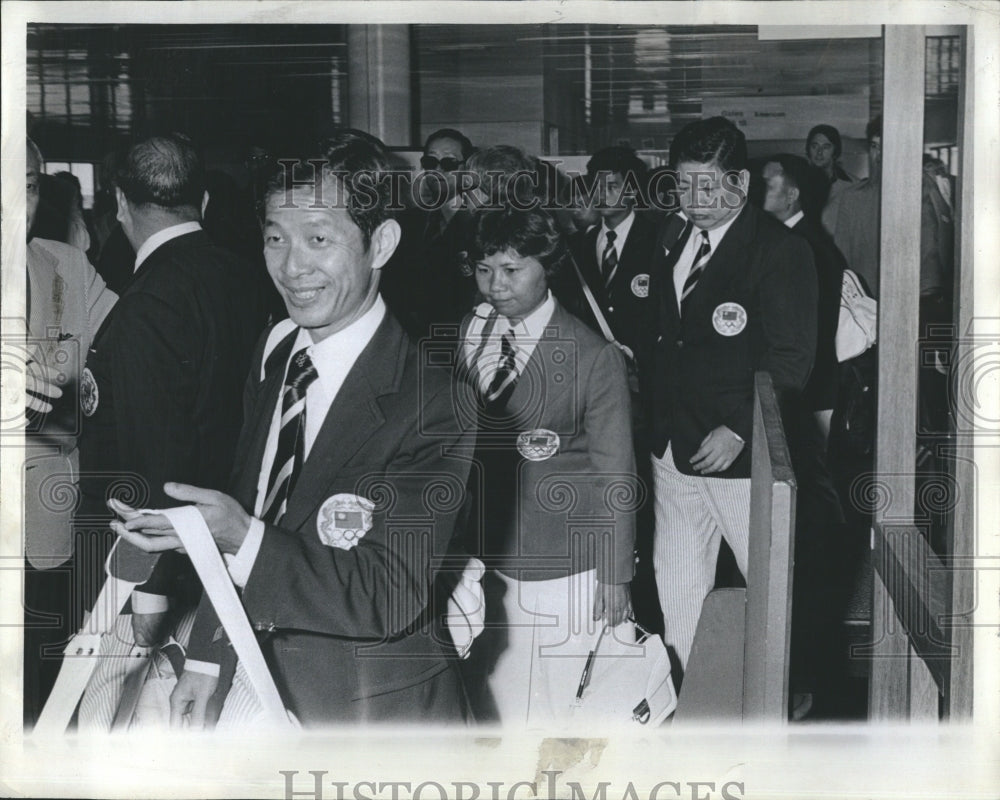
[738,668]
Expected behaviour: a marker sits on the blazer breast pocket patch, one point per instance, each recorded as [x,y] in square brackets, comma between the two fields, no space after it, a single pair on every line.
[640,285]
[343,520]
[729,319]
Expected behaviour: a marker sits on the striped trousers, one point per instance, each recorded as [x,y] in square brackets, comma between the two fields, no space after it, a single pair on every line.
[691,513]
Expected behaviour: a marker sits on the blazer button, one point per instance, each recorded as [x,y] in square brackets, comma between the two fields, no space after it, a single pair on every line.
[680,342]
[659,339]
[611,309]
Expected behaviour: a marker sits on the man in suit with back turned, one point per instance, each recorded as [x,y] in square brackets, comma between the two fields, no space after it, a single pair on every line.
[344,446]
[161,391]
[735,294]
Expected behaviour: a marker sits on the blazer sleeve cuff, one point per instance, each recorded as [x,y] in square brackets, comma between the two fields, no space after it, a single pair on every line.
[147,603]
[203,667]
[241,564]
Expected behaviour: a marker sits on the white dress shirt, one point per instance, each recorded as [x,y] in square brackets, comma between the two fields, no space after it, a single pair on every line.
[686,259]
[334,357]
[488,355]
[621,236]
[160,238]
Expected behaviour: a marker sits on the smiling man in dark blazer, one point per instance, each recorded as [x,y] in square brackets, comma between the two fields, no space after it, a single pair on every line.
[735,294]
[334,525]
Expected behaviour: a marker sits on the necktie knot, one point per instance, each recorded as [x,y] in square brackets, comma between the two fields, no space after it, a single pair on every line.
[611,237]
[301,373]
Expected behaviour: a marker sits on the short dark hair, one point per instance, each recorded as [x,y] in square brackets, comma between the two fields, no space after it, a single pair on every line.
[620,159]
[830,133]
[800,174]
[361,162]
[707,140]
[455,136]
[795,169]
[874,128]
[532,233]
[163,171]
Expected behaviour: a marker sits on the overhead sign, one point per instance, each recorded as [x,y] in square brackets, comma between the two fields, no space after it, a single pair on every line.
[791,117]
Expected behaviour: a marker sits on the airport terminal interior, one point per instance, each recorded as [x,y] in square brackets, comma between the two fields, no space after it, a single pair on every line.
[249,95]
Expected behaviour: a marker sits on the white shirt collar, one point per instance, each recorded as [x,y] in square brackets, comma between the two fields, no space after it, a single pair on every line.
[160,238]
[335,355]
[716,235]
[531,328]
[485,353]
[621,231]
[793,220]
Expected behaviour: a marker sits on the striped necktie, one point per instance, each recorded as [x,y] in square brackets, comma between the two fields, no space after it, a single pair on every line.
[291,437]
[502,385]
[700,260]
[609,261]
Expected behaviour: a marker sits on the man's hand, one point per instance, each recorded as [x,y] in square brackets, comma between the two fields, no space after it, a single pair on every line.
[40,386]
[189,700]
[612,603]
[225,518]
[150,629]
[717,452]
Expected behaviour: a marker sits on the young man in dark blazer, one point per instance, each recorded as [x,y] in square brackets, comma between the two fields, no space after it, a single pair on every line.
[735,294]
[615,256]
[334,524]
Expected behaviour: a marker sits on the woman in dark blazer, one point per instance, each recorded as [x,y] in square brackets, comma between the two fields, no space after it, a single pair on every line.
[552,484]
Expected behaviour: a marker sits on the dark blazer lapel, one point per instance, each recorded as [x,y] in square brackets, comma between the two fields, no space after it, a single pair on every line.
[668,250]
[351,421]
[250,449]
[724,263]
[589,265]
[537,373]
[636,245]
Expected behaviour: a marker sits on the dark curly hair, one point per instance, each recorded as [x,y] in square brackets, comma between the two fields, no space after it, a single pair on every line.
[532,233]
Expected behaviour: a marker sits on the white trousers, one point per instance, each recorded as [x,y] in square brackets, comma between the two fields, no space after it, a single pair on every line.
[692,512]
[525,667]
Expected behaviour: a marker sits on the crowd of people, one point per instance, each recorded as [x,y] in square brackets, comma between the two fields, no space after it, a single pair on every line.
[445,432]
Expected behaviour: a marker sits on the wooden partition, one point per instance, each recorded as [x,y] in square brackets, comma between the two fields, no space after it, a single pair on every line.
[738,668]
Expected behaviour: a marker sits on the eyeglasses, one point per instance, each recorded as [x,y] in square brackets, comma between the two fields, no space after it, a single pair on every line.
[446,164]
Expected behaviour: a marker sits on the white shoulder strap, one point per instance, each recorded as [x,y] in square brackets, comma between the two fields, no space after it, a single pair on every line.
[218,585]
[278,332]
[594,307]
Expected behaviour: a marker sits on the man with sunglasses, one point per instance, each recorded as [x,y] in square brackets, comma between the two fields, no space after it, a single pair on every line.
[429,280]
